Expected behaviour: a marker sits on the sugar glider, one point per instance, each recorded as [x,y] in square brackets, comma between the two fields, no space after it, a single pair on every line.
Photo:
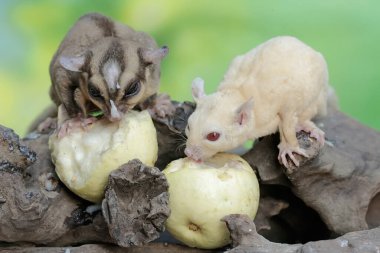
[103,65]
[278,86]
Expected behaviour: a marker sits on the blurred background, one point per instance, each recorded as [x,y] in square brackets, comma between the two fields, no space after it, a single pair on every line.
[203,37]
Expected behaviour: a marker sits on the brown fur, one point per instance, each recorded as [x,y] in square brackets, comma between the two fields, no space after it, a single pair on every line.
[96,45]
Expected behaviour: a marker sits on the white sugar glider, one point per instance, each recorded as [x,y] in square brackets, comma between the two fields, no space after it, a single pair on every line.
[278,86]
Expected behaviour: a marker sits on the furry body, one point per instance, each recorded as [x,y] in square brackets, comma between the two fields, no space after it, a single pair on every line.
[104,65]
[278,86]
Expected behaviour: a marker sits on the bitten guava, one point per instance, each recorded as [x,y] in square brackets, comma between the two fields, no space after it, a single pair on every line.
[200,194]
[85,157]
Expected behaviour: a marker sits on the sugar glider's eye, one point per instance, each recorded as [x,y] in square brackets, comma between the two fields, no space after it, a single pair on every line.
[94,91]
[133,89]
[213,136]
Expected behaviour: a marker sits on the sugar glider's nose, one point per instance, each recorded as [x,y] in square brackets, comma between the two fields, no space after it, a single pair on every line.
[192,154]
[187,152]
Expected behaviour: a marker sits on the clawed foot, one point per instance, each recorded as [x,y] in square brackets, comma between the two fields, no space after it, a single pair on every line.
[287,151]
[162,106]
[319,135]
[314,131]
[47,125]
[70,124]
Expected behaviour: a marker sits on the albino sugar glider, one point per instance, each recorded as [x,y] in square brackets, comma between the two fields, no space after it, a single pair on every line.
[103,65]
[278,86]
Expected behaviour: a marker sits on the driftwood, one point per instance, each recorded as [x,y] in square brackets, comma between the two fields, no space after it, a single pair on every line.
[136,204]
[341,181]
[35,206]
[37,209]
[245,239]
[25,197]
[107,248]
[171,133]
[335,191]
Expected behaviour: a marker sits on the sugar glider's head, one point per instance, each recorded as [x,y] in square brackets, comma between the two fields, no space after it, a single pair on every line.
[116,75]
[221,121]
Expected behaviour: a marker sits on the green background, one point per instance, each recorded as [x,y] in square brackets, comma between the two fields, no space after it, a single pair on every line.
[203,37]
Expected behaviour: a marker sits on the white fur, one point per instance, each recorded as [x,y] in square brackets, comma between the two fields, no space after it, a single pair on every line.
[111,70]
[115,114]
[287,81]
[197,88]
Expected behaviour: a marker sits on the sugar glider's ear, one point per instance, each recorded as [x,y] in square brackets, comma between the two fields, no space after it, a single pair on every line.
[72,63]
[197,88]
[154,55]
[244,112]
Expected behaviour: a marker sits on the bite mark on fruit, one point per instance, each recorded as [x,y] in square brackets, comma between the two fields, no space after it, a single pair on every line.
[194,227]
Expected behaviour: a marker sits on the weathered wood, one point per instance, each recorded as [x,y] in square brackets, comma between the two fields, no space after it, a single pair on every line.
[35,206]
[136,204]
[245,239]
[341,181]
[171,133]
[106,248]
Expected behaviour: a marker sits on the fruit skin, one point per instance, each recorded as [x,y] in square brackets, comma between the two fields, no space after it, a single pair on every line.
[84,158]
[200,194]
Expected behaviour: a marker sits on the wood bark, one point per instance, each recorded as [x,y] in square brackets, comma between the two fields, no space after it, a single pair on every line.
[136,204]
[245,239]
[107,248]
[35,206]
[334,191]
[341,181]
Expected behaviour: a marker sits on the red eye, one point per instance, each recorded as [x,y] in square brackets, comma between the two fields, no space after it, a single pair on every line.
[213,136]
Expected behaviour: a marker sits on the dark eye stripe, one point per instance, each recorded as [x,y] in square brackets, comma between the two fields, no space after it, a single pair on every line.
[93,91]
[133,89]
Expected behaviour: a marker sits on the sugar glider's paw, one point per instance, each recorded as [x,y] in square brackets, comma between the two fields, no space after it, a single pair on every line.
[319,135]
[313,130]
[88,121]
[162,106]
[287,151]
[47,125]
[73,123]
